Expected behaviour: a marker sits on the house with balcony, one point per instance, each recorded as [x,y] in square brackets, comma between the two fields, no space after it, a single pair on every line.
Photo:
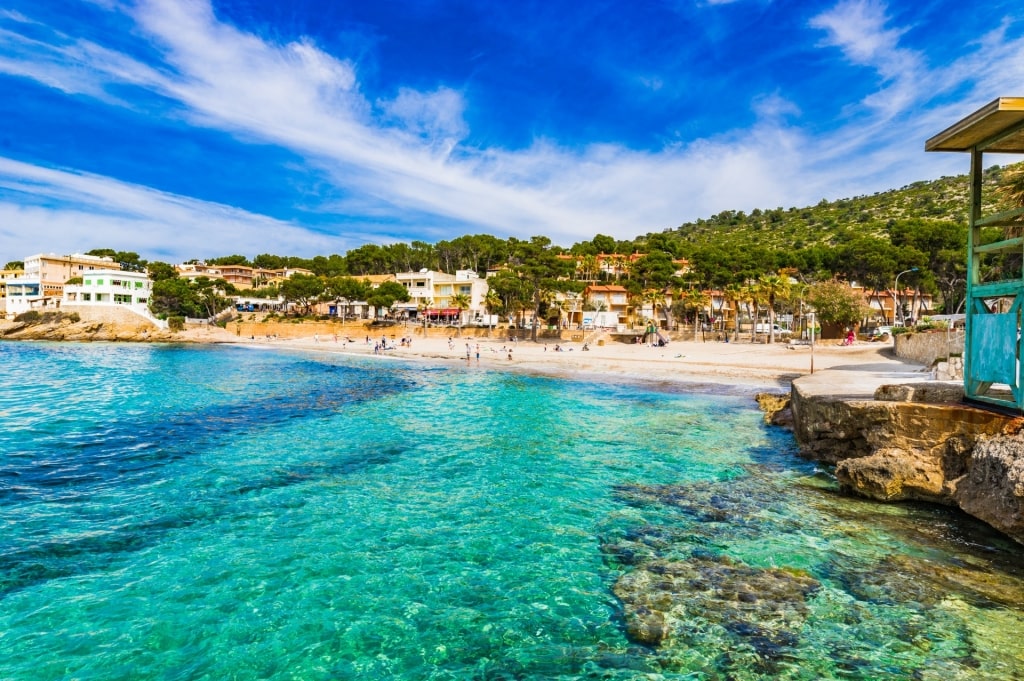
[431,294]
[7,276]
[609,306]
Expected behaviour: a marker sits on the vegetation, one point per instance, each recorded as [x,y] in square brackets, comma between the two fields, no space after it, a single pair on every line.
[32,317]
[127,260]
[175,296]
[15,265]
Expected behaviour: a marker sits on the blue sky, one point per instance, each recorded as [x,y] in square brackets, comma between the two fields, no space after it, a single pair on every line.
[191,128]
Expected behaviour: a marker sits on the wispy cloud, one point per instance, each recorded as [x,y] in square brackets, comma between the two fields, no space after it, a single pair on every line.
[88,211]
[405,159]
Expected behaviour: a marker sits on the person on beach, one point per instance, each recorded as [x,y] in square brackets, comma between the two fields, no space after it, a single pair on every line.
[477,353]
[468,352]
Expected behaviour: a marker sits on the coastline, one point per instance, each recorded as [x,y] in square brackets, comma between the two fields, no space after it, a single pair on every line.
[742,366]
[713,365]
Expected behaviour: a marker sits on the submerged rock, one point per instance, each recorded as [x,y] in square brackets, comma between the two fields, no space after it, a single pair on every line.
[763,608]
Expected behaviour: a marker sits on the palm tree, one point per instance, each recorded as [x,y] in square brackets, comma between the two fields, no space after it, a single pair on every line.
[773,287]
[697,300]
[422,306]
[656,298]
[492,302]
[462,302]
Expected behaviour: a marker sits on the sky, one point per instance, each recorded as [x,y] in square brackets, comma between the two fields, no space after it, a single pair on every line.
[184,129]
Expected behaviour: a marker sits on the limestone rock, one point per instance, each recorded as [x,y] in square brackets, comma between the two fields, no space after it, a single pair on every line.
[993,488]
[919,442]
[776,409]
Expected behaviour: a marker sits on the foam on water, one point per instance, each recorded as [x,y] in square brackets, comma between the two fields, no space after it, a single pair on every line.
[211,513]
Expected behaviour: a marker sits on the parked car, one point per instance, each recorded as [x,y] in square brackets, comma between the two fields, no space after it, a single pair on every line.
[881,333]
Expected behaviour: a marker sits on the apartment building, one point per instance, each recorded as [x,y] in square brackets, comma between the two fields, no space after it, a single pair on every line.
[42,285]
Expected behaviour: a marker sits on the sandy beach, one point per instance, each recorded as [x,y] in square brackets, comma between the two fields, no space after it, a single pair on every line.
[757,365]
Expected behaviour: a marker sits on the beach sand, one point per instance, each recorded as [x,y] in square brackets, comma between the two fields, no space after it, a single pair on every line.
[756,365]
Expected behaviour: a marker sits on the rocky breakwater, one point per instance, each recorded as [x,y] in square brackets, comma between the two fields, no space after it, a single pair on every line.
[913,441]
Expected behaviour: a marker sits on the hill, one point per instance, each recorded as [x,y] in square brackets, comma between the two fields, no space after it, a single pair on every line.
[830,222]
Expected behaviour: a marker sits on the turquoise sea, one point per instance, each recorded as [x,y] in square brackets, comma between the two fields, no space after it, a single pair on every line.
[234,513]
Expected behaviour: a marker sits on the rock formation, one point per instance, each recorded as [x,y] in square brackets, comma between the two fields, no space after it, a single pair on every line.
[919,442]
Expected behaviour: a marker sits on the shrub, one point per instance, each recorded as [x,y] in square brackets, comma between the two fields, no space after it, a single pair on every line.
[176,323]
[30,317]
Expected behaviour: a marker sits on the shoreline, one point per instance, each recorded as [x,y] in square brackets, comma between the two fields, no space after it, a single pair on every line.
[742,367]
[717,366]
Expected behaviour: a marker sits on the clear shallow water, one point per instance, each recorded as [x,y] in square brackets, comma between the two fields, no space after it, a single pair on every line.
[219,513]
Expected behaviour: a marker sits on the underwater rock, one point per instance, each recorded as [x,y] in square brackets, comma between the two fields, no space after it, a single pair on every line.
[763,607]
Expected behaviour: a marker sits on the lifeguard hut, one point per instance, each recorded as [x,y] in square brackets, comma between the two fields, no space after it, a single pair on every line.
[992,353]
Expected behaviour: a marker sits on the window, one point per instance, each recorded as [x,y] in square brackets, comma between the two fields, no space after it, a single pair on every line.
[99,282]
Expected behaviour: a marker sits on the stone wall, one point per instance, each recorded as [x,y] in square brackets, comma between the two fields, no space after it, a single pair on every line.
[926,347]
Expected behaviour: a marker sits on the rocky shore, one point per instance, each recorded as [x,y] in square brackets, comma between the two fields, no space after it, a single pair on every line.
[914,442]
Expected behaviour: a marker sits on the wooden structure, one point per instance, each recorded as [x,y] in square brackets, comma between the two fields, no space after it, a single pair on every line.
[993,346]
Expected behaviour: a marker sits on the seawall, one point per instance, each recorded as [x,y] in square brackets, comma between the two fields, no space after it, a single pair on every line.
[899,437]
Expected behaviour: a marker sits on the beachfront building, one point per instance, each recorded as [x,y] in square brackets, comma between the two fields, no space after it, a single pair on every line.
[42,285]
[606,306]
[111,287]
[432,294]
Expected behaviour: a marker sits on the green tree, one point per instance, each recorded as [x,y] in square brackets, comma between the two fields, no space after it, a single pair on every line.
[15,265]
[303,290]
[346,290]
[159,271]
[836,303]
[229,260]
[539,266]
[387,294]
[461,301]
[773,287]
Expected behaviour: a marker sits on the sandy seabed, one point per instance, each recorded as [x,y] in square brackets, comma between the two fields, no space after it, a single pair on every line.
[754,365]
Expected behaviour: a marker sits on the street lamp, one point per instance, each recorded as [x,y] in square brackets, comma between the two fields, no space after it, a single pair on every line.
[899,305]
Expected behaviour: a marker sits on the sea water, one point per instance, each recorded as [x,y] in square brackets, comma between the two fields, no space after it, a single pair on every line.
[232,513]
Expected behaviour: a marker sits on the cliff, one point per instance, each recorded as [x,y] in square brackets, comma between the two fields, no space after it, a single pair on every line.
[915,441]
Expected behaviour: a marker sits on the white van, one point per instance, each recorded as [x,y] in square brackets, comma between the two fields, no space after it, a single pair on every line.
[766,328]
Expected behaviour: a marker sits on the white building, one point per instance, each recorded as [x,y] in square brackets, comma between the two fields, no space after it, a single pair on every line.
[111,287]
[431,292]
